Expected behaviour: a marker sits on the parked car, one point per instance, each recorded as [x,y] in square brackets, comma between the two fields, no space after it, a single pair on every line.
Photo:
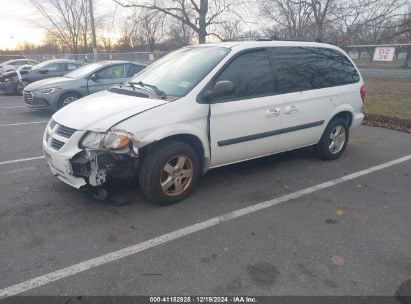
[207,106]
[25,67]
[55,93]
[16,81]
[14,64]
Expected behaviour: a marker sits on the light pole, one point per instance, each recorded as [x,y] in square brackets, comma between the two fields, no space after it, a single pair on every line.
[11,42]
[93,29]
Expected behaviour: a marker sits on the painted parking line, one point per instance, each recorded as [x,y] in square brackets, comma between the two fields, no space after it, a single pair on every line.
[24,123]
[13,107]
[20,160]
[165,238]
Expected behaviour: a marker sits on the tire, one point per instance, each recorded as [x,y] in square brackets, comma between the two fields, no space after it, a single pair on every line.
[334,140]
[176,180]
[20,86]
[67,98]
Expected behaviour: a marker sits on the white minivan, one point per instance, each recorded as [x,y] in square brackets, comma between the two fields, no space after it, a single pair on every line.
[206,106]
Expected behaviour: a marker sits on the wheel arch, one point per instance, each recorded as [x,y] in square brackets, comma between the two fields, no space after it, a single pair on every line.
[195,140]
[344,111]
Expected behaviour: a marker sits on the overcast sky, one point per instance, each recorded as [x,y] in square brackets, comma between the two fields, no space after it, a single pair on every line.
[18,19]
[21,20]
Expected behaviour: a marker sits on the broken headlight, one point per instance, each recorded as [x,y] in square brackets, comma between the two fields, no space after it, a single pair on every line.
[110,141]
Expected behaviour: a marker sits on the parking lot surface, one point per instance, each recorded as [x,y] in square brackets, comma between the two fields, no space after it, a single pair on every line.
[351,238]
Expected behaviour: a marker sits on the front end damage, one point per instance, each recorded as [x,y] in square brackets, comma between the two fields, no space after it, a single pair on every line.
[86,160]
[98,166]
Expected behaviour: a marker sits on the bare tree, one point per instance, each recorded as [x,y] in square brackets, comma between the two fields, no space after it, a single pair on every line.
[179,33]
[199,15]
[150,27]
[66,21]
[291,18]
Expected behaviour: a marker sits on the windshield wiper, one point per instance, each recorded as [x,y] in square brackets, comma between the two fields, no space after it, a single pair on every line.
[152,88]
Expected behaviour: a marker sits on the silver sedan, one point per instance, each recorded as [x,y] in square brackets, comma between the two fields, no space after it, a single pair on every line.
[54,93]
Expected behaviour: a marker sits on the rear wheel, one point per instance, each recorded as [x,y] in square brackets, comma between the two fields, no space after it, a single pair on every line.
[169,172]
[334,139]
[66,99]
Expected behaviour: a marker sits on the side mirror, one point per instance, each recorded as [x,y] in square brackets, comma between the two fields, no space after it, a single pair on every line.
[222,88]
[44,71]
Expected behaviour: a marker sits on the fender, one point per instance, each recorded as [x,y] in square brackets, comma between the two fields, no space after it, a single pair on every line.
[338,109]
[178,129]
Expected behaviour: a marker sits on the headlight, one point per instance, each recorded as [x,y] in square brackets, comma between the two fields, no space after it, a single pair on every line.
[92,140]
[47,91]
[116,140]
[110,141]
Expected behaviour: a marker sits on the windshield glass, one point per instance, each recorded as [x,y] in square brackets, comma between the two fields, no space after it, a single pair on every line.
[84,71]
[178,72]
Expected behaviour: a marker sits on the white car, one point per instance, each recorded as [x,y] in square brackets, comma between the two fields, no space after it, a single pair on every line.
[15,64]
[207,106]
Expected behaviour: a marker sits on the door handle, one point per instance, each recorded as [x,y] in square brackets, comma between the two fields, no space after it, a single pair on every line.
[291,109]
[272,112]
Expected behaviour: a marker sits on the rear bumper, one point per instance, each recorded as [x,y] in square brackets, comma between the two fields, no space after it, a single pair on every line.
[356,120]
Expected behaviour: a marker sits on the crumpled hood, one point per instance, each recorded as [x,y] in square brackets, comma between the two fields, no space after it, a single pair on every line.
[49,82]
[9,74]
[100,111]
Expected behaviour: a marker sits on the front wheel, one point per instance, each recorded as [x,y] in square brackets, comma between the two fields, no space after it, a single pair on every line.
[169,172]
[334,140]
[66,99]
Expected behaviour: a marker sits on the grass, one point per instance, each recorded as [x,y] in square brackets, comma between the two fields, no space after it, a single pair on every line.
[388,97]
[396,64]
[388,103]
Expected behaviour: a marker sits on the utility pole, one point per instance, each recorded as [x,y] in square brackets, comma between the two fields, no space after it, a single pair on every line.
[93,29]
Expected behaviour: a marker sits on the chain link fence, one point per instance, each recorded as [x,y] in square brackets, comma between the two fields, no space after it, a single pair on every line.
[138,57]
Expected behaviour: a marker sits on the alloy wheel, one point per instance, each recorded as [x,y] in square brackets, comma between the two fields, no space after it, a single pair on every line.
[177,175]
[69,100]
[337,139]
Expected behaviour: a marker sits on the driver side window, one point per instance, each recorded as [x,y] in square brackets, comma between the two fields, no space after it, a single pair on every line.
[112,72]
[251,75]
[54,67]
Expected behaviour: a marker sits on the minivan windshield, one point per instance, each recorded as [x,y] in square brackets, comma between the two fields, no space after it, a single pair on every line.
[178,72]
[84,71]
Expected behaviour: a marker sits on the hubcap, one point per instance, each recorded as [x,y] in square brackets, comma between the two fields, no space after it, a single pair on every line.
[69,100]
[177,175]
[337,139]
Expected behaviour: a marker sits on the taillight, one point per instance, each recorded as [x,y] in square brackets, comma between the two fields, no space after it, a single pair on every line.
[362,93]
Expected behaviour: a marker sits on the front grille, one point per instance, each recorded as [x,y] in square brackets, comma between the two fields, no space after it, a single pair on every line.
[65,131]
[56,144]
[28,97]
[52,124]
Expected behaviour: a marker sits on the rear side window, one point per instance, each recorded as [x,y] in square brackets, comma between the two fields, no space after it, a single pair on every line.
[308,68]
[251,75]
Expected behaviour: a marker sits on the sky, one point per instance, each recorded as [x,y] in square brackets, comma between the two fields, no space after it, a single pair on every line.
[18,19]
[21,20]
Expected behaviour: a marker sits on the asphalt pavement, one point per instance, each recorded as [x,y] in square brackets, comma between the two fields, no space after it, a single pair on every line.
[349,238]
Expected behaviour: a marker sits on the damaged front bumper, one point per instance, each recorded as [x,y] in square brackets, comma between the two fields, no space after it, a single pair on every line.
[82,168]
